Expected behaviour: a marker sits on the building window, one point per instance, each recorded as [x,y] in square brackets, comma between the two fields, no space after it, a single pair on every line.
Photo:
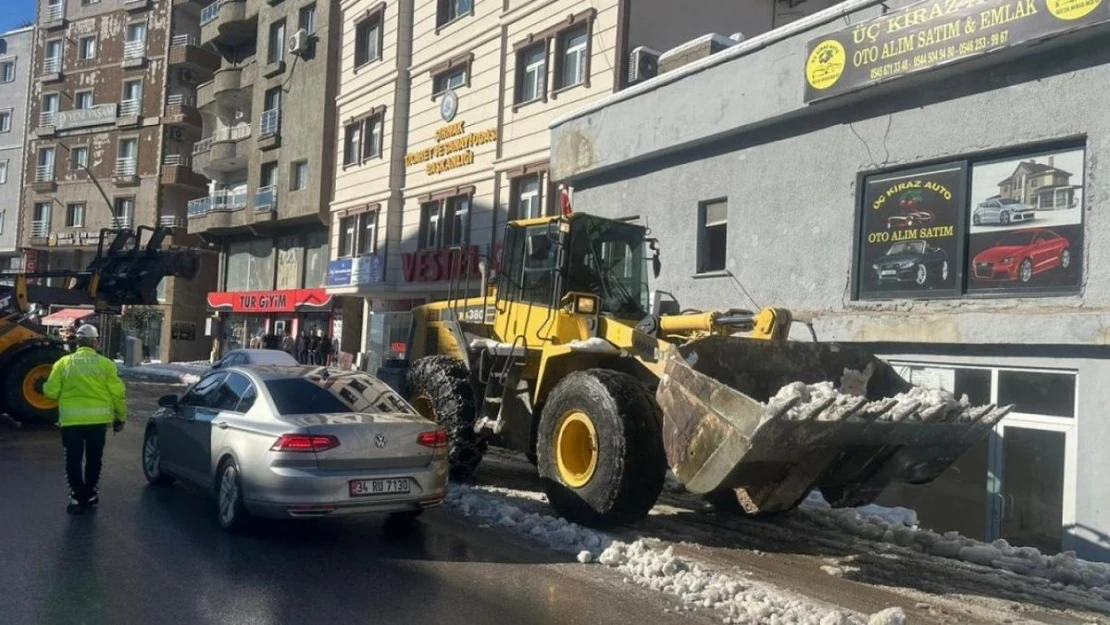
[49,109]
[451,10]
[573,53]
[86,48]
[299,175]
[712,236]
[7,71]
[352,139]
[527,198]
[124,208]
[531,73]
[45,171]
[268,175]
[451,79]
[3,172]
[83,100]
[80,156]
[429,225]
[135,48]
[368,40]
[131,103]
[348,232]
[75,216]
[372,142]
[2,214]
[307,19]
[52,57]
[5,121]
[367,232]
[445,223]
[42,216]
[276,50]
[270,123]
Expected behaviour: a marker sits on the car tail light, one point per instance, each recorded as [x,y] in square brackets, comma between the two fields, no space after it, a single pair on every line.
[434,439]
[305,442]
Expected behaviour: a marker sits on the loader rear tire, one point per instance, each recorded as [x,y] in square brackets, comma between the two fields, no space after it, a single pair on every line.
[616,416]
[439,389]
[23,381]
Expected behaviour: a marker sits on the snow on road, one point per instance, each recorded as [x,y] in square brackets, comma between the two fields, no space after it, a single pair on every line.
[180,372]
[646,563]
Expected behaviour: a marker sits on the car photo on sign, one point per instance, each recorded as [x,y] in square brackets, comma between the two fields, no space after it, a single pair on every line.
[916,262]
[1021,255]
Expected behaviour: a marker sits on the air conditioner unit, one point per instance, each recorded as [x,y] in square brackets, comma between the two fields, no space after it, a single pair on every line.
[187,77]
[176,133]
[298,43]
[643,63]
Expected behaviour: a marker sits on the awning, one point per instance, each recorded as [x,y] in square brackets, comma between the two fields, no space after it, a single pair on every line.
[66,316]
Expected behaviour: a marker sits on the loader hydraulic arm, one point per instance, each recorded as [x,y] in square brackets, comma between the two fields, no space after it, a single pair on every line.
[771,324]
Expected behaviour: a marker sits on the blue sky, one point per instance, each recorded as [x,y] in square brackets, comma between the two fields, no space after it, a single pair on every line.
[14,12]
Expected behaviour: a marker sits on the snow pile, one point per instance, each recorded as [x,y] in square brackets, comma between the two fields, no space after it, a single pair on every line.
[645,564]
[179,372]
[672,484]
[899,526]
[808,399]
[593,344]
[917,401]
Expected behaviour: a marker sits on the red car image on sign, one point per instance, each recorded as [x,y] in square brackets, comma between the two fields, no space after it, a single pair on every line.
[1018,256]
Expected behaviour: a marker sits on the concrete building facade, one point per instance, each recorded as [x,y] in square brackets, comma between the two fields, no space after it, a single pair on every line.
[951,220]
[108,129]
[264,114]
[15,82]
[442,136]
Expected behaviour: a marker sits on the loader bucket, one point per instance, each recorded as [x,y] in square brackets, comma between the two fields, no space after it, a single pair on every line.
[772,420]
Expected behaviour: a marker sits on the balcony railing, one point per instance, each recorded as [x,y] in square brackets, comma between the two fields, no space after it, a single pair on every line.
[222,200]
[121,221]
[40,229]
[199,206]
[52,65]
[180,99]
[222,134]
[210,12]
[44,173]
[46,118]
[169,221]
[134,49]
[176,160]
[270,123]
[183,40]
[125,166]
[54,12]
[266,199]
[130,107]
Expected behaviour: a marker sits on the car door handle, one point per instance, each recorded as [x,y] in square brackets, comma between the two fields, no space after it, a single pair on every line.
[220,424]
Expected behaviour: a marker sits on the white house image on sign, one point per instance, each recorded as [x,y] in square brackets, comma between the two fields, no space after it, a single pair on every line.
[1041,185]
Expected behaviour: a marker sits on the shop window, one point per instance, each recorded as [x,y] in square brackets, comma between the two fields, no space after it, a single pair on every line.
[348,233]
[290,262]
[368,40]
[573,58]
[1035,392]
[367,233]
[712,236]
[451,10]
[250,265]
[531,73]
[316,260]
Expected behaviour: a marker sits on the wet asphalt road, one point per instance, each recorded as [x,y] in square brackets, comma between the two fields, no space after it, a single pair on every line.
[158,556]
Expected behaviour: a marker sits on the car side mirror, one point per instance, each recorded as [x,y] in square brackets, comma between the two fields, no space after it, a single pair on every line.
[168,401]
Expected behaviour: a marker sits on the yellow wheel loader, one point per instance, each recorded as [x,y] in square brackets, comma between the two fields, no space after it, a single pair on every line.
[126,271]
[563,359]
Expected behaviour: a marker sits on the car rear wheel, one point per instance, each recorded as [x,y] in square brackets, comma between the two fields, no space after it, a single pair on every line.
[975,220]
[232,515]
[1025,272]
[152,460]
[1065,259]
[922,275]
[944,271]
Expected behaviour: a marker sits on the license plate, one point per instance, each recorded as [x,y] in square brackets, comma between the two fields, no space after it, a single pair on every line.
[887,272]
[391,486]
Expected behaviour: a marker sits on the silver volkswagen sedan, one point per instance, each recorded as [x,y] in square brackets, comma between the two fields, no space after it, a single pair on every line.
[297,442]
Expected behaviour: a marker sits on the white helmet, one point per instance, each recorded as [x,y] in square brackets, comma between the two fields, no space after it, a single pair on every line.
[88,332]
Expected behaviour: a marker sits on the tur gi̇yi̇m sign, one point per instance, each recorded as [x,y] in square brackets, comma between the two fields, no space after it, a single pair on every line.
[935,33]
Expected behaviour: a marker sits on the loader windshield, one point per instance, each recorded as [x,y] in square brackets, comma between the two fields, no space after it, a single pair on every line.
[607,258]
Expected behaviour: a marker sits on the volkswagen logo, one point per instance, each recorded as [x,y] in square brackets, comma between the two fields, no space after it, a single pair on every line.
[379,440]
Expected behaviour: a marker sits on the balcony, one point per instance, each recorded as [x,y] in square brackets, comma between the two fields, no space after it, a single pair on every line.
[53,16]
[265,200]
[44,179]
[177,171]
[171,221]
[229,22]
[47,123]
[214,211]
[136,5]
[130,112]
[134,54]
[126,172]
[121,222]
[40,229]
[181,111]
[185,51]
[230,86]
[269,129]
[51,69]
[226,150]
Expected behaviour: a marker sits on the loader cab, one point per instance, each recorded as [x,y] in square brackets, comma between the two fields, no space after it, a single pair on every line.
[543,259]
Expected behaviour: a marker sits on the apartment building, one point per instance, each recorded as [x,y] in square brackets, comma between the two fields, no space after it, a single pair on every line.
[15,74]
[110,130]
[443,111]
[268,117]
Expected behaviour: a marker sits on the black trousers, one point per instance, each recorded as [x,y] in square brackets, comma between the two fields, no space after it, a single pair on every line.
[83,442]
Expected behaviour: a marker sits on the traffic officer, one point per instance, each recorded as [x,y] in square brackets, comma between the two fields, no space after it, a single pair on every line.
[90,397]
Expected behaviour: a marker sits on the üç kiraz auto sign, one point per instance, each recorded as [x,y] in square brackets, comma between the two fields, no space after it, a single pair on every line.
[936,33]
[911,233]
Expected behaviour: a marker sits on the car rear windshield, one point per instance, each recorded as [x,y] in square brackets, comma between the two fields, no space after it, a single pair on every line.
[354,392]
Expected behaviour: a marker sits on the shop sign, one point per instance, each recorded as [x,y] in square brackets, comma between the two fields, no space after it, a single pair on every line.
[452,149]
[441,264]
[81,118]
[269,301]
[936,33]
[65,239]
[360,270]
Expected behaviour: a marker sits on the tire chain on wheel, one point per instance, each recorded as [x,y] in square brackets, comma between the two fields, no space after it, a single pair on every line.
[446,381]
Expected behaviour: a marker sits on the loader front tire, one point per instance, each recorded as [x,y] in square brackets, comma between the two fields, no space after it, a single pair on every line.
[23,381]
[600,448]
[439,389]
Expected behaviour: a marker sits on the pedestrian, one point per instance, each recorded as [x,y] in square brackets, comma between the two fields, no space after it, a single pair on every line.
[325,350]
[314,349]
[288,345]
[90,397]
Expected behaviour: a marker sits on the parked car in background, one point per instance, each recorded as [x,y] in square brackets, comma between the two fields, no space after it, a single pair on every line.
[1018,256]
[909,219]
[297,442]
[1002,211]
[911,261]
[244,357]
